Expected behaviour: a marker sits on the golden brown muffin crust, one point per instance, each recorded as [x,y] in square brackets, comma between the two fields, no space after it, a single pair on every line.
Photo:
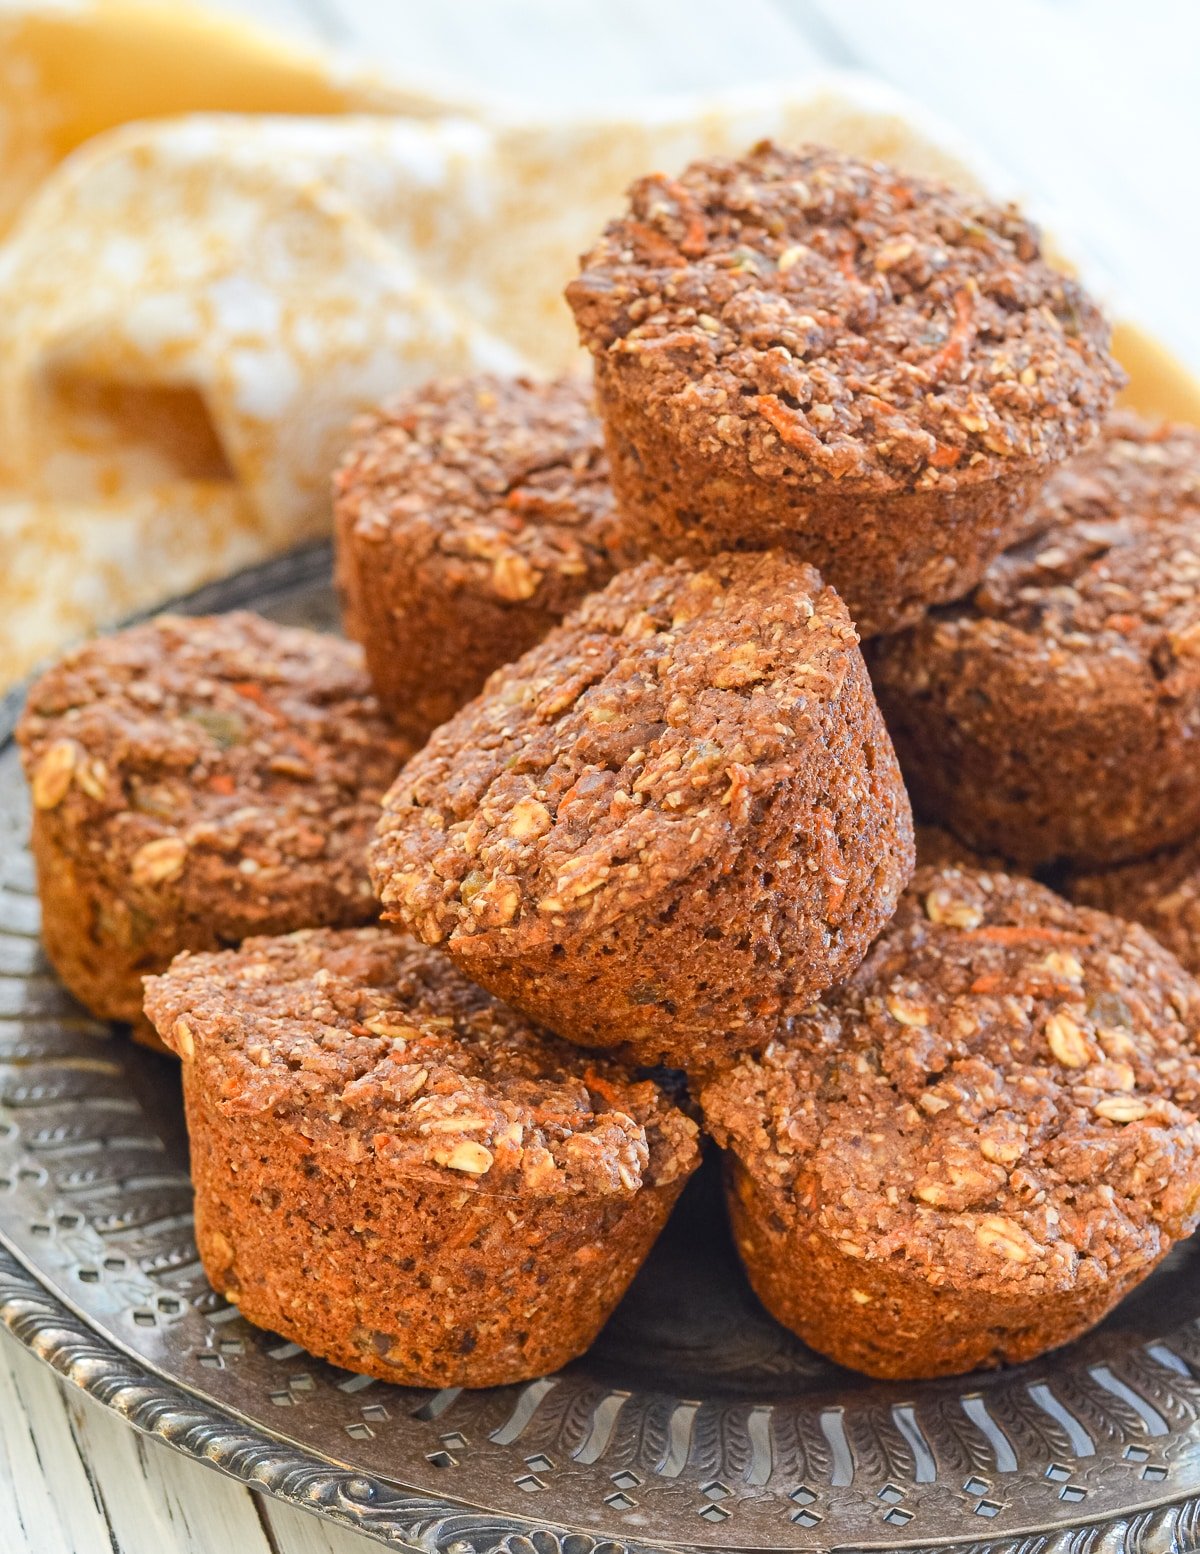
[838,319]
[1161,892]
[504,480]
[608,765]
[195,780]
[369,1038]
[1111,564]
[471,514]
[1003,1096]
[400,1174]
[222,760]
[1054,711]
[685,738]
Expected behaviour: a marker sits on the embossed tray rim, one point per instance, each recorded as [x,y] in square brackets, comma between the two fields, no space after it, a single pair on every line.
[62,1336]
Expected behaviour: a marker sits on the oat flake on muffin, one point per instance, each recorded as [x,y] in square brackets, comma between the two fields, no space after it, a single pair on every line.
[669,825]
[972,1149]
[1054,713]
[804,349]
[401,1174]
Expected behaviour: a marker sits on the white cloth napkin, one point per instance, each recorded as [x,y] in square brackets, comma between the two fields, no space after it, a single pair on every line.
[194,309]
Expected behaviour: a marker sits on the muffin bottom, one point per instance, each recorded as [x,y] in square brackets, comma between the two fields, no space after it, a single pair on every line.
[891,555]
[408,1280]
[97,946]
[428,645]
[687,991]
[1047,772]
[1162,892]
[878,1320]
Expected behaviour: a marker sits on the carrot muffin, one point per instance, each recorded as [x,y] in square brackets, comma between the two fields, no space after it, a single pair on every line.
[937,848]
[800,349]
[399,1173]
[471,515]
[1055,712]
[1161,892]
[668,826]
[970,1151]
[196,780]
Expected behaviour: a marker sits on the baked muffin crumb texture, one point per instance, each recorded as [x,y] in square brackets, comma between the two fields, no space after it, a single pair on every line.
[838,317]
[470,515]
[1054,711]
[686,739]
[366,1037]
[196,780]
[1000,1102]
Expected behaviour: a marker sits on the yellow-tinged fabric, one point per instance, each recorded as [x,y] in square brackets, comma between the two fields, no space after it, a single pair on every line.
[1159,384]
[70,71]
[216,249]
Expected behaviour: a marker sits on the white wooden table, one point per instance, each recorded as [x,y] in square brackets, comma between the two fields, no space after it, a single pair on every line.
[1093,111]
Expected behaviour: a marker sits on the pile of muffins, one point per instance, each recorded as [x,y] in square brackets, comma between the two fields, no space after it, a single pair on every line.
[634,806]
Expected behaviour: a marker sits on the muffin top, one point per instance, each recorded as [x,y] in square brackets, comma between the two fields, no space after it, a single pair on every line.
[367,1041]
[1004,1093]
[622,754]
[939,848]
[1162,892]
[1103,589]
[223,759]
[829,318]
[503,482]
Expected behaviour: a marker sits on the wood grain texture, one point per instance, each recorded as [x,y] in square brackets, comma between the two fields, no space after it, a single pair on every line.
[74,1479]
[49,1500]
[153,1501]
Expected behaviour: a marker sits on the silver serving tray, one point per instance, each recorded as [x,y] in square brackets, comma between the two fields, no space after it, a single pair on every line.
[694,1423]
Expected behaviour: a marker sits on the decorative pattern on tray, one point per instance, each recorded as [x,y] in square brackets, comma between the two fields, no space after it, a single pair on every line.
[692,1424]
